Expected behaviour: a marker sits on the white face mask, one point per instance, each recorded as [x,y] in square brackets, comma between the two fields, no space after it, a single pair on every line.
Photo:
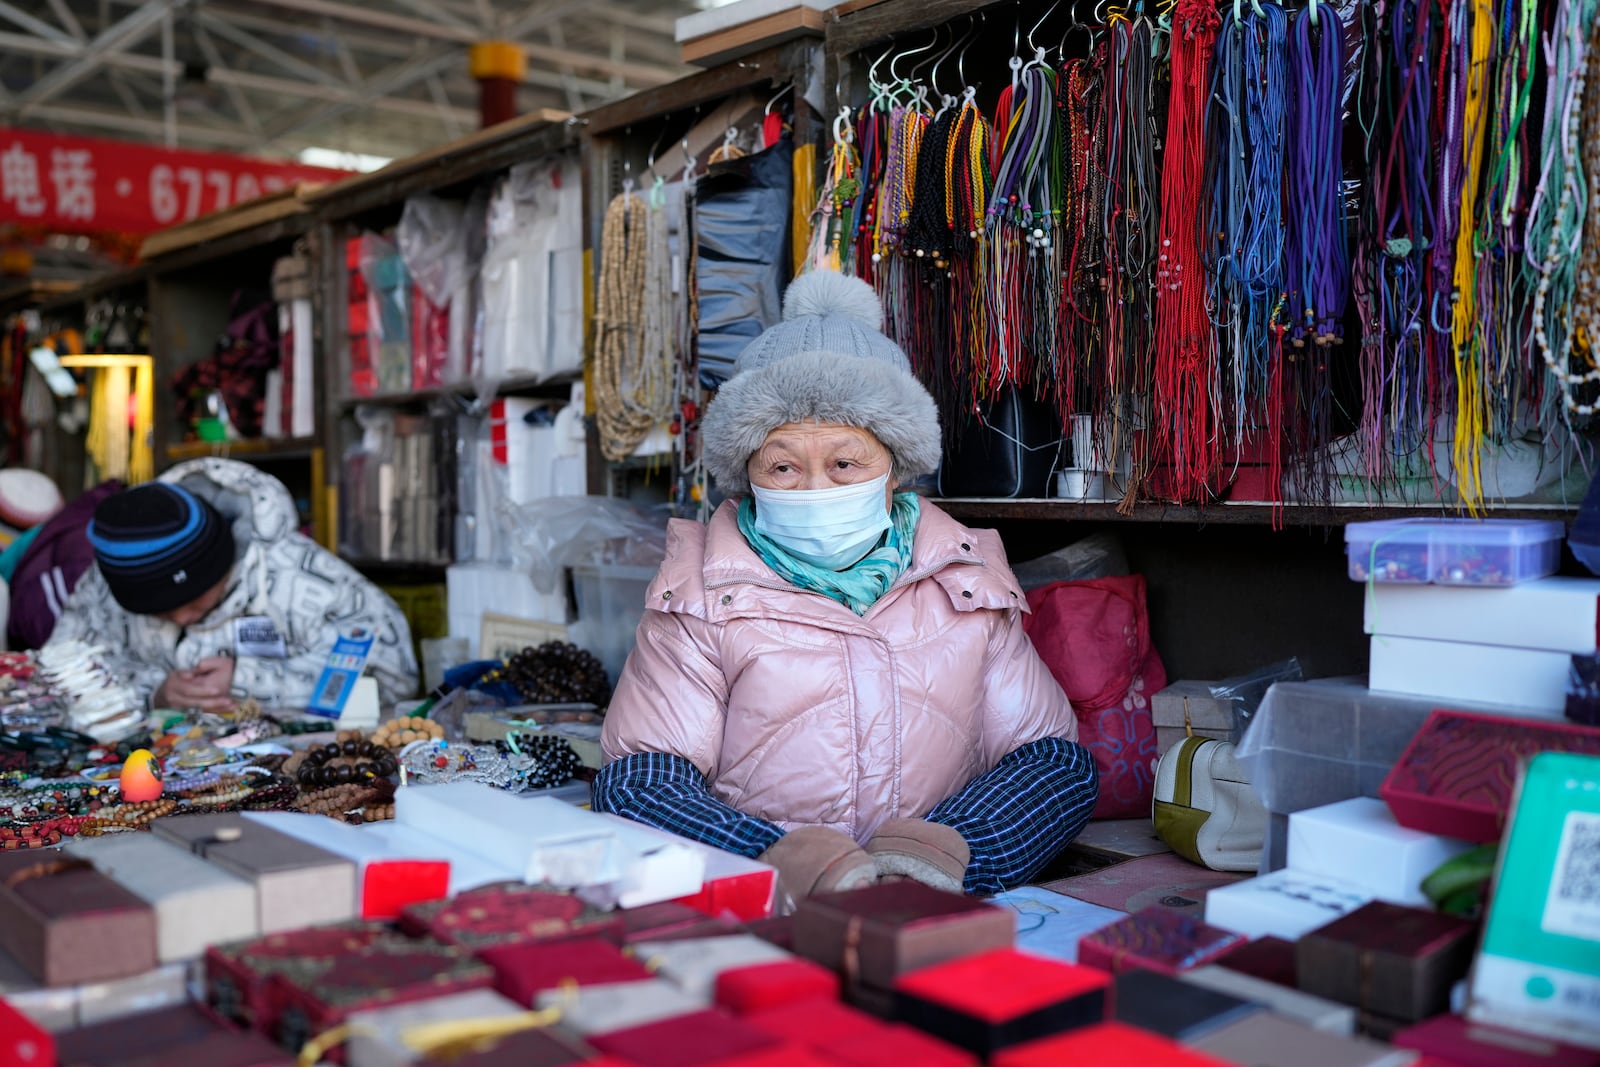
[828,528]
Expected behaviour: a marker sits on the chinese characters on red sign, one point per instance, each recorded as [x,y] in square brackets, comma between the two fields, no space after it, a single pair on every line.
[75,184]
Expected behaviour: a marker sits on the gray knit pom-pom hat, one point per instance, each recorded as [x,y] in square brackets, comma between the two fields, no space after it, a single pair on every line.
[827,361]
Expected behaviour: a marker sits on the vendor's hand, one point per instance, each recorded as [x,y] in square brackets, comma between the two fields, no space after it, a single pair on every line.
[208,685]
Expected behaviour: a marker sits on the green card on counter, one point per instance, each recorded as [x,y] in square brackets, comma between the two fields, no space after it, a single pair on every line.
[1539,968]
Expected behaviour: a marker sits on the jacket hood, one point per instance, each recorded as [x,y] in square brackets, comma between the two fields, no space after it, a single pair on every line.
[256,505]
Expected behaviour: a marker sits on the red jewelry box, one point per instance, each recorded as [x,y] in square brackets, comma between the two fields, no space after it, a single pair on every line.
[899,1046]
[997,999]
[704,1037]
[1157,939]
[1456,776]
[23,1042]
[1466,1044]
[67,924]
[778,1056]
[1106,1043]
[174,1037]
[1395,961]
[874,935]
[315,996]
[522,972]
[1270,959]
[669,921]
[770,985]
[236,975]
[818,1023]
[502,913]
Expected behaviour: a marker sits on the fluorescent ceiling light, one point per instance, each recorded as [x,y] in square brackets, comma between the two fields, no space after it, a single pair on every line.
[329,157]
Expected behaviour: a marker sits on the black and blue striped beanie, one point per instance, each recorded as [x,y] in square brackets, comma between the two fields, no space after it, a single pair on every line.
[159,547]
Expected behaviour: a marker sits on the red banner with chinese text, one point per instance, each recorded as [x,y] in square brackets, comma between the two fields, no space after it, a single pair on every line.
[84,184]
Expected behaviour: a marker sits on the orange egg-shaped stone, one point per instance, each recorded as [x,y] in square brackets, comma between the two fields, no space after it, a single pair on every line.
[141,777]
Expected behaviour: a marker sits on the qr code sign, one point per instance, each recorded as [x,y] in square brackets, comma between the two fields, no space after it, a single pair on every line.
[1573,907]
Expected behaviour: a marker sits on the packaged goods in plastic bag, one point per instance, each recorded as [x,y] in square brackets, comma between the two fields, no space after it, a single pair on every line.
[1246,692]
[560,532]
[435,239]
[388,317]
[532,274]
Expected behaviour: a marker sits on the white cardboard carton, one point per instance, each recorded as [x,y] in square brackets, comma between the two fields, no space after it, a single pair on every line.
[550,842]
[1525,681]
[1284,904]
[1551,614]
[1358,840]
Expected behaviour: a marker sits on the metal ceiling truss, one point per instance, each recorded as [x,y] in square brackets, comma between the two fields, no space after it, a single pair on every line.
[386,77]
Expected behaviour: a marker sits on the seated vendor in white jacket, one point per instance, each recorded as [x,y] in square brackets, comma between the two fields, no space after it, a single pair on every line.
[205,593]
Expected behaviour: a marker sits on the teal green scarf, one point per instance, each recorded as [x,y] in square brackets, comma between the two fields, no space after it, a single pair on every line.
[857,587]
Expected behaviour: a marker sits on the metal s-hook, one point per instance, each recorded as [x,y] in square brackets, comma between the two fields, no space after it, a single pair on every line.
[1052,9]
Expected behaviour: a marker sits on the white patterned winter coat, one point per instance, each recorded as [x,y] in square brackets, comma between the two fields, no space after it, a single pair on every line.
[308,594]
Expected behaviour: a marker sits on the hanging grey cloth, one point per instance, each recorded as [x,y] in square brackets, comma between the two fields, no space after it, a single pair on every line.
[741,228]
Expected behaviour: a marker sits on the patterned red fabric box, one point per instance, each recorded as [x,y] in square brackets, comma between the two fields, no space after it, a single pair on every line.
[236,975]
[818,1023]
[314,996]
[898,1046]
[1456,776]
[697,1040]
[1465,1044]
[507,913]
[997,999]
[1157,939]
[1398,962]
[1107,1043]
[522,972]
[771,985]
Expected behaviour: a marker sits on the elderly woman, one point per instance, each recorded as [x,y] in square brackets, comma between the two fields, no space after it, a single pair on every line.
[832,675]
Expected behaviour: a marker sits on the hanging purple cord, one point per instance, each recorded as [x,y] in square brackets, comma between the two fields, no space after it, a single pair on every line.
[1318,258]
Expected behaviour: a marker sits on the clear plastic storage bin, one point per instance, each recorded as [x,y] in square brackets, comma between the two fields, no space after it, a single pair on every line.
[1470,552]
[610,600]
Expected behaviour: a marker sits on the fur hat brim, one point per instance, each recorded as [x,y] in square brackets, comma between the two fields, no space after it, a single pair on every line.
[825,387]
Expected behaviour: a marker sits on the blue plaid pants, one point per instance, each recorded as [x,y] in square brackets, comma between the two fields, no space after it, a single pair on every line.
[1015,818]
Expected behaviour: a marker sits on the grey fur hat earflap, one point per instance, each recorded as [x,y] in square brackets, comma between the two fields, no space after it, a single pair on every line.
[827,361]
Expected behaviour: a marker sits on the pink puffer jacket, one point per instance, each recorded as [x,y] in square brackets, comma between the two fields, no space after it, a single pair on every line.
[802,713]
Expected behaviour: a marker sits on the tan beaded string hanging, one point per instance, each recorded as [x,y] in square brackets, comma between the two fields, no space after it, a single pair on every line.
[623,410]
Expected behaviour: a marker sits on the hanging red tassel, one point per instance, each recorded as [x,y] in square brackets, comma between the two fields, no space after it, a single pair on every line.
[1186,430]
[771,129]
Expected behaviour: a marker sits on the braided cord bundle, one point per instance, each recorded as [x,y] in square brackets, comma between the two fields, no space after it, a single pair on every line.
[1131,225]
[1471,403]
[1249,90]
[1317,253]
[1186,427]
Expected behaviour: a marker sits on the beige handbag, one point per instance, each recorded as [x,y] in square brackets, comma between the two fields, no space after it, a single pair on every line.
[1205,809]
